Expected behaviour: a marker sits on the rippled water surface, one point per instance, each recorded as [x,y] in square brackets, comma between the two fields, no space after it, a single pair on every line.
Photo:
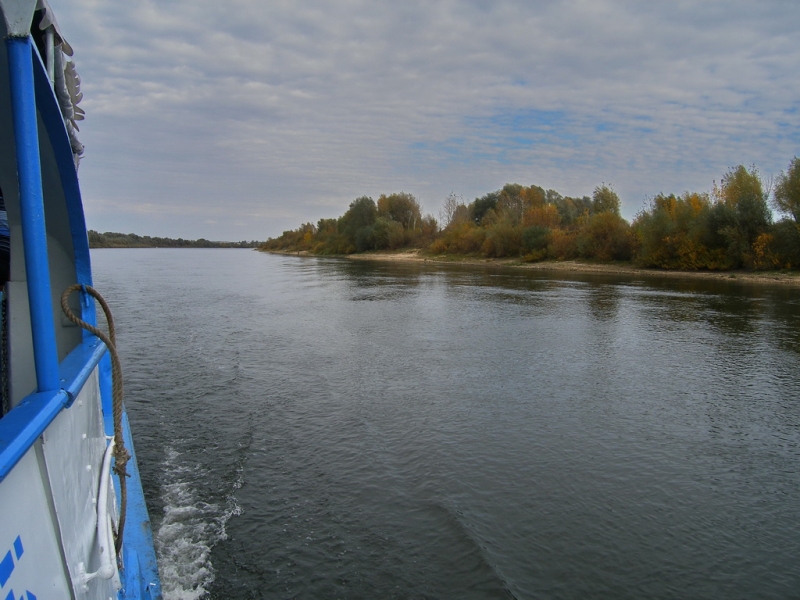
[322,428]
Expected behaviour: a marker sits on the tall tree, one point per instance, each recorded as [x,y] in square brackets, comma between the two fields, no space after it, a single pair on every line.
[450,209]
[362,213]
[605,199]
[403,208]
[741,213]
[511,202]
[787,191]
[480,206]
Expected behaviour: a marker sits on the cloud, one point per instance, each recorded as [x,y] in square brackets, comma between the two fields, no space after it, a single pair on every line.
[289,110]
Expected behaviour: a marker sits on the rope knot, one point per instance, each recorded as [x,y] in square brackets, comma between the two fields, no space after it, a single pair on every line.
[121,457]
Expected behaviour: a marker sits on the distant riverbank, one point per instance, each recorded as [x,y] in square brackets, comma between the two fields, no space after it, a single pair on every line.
[112,239]
[783,278]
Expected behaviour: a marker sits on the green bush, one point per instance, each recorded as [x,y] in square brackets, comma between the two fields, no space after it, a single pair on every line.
[535,238]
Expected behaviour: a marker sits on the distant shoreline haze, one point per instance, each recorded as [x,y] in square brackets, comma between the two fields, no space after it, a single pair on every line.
[731,227]
[111,239]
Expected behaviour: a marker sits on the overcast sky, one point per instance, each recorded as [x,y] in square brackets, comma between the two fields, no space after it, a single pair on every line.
[238,119]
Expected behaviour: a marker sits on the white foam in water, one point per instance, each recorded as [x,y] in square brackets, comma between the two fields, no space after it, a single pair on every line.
[188,531]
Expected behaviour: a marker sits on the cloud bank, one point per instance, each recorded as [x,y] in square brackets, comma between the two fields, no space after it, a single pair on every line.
[239,119]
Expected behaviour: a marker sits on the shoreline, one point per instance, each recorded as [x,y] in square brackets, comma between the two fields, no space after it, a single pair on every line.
[781,278]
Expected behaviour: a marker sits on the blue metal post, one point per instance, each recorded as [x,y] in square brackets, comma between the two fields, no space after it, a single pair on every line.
[34,233]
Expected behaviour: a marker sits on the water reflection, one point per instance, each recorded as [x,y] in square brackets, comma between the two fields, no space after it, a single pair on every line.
[604,302]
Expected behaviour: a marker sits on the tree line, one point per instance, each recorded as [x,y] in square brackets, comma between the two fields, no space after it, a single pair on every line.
[730,227]
[111,239]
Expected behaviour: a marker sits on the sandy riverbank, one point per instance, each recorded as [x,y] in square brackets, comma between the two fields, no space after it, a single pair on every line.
[782,278]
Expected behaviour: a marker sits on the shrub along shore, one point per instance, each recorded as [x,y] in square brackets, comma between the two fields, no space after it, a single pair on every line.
[730,228]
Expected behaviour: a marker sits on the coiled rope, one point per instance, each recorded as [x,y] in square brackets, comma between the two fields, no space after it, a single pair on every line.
[121,454]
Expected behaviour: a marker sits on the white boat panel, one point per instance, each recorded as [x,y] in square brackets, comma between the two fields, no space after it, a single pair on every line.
[73,447]
[30,556]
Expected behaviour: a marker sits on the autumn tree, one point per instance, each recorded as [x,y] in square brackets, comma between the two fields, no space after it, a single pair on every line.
[514,200]
[784,244]
[428,228]
[452,208]
[605,199]
[741,213]
[605,236]
[503,238]
[362,213]
[672,233]
[480,206]
[787,191]
[545,215]
[511,202]
[326,226]
[385,234]
[359,217]
[403,208]
[570,209]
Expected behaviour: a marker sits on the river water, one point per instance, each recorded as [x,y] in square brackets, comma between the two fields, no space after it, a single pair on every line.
[327,428]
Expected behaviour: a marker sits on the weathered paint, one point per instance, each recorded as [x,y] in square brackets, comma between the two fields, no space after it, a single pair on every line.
[18,15]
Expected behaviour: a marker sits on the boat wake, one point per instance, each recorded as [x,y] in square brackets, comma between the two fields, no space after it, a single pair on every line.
[188,531]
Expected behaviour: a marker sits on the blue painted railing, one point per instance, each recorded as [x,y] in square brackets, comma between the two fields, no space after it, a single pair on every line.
[23,425]
[34,234]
